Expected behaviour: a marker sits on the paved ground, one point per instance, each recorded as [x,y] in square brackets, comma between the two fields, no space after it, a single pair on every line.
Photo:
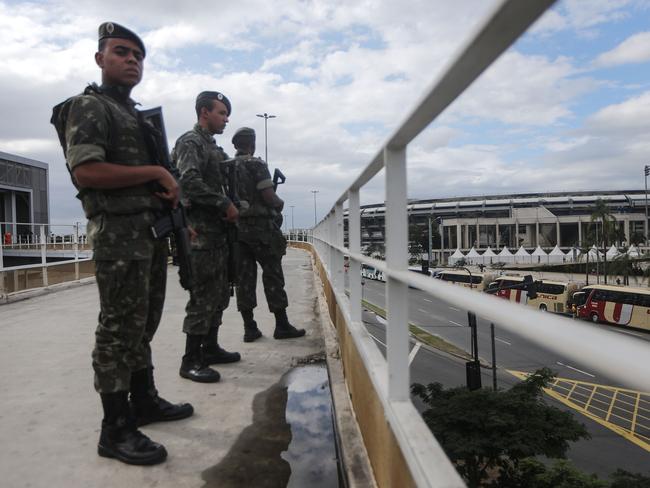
[50,414]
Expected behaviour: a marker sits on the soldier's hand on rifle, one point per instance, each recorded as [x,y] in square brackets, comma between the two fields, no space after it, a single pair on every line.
[232,214]
[171,191]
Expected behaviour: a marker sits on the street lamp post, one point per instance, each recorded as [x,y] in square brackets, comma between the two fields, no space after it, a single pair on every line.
[266,117]
[292,226]
[645,224]
[314,192]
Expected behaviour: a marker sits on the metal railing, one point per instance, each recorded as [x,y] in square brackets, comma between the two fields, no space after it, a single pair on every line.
[67,244]
[618,356]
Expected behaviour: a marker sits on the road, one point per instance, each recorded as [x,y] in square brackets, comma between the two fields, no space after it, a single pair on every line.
[602,454]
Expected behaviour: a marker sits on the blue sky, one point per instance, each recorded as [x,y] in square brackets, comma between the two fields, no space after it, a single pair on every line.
[566,108]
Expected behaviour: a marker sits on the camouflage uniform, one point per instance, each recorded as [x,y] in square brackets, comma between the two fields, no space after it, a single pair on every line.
[260,238]
[130,265]
[198,159]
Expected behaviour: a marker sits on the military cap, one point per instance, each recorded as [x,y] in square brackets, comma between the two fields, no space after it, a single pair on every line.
[110,30]
[213,95]
[243,133]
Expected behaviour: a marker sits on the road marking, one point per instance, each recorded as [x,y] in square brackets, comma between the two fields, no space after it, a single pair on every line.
[414,351]
[576,369]
[427,300]
[454,308]
[423,311]
[501,340]
[628,332]
[456,323]
[377,340]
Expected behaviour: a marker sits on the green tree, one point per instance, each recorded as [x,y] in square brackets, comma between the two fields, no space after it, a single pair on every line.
[487,433]
[602,213]
[624,479]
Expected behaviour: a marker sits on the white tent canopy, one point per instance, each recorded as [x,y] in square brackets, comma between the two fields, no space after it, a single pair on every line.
[612,252]
[489,256]
[505,256]
[573,254]
[633,252]
[539,255]
[593,252]
[522,256]
[454,258]
[556,255]
[473,257]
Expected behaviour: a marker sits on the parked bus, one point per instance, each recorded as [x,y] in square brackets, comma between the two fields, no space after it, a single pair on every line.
[371,273]
[552,296]
[479,281]
[619,305]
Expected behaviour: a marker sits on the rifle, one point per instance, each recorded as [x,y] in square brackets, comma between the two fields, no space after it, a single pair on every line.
[173,222]
[230,170]
[278,179]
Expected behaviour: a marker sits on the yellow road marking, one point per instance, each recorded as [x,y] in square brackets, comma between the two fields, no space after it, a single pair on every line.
[637,420]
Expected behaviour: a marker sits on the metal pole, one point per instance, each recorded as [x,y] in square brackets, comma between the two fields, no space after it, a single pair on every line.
[292,226]
[430,242]
[314,192]
[494,359]
[266,117]
[646,170]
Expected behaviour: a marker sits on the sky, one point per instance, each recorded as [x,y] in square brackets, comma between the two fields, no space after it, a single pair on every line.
[566,108]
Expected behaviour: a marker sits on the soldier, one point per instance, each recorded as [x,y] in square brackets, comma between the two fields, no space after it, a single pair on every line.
[260,241]
[111,166]
[198,159]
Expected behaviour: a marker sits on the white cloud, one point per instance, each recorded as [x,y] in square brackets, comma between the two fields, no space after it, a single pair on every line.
[634,49]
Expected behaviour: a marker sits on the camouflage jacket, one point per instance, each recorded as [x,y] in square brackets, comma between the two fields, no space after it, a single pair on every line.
[101,125]
[256,216]
[198,159]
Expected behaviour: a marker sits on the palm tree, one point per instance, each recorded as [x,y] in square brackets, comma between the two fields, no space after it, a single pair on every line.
[601,212]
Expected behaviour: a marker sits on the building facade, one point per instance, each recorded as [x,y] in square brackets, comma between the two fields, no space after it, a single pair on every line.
[24,197]
[528,220]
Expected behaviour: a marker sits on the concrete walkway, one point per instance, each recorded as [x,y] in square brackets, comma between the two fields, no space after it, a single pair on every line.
[50,414]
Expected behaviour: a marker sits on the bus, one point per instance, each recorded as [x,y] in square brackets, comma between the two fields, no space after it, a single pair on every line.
[552,296]
[617,305]
[477,281]
[371,273]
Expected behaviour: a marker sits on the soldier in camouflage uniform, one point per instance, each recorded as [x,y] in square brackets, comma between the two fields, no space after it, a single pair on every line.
[260,241]
[111,166]
[209,210]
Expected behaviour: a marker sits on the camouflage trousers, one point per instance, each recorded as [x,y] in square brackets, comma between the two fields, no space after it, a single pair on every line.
[131,297]
[210,294]
[251,253]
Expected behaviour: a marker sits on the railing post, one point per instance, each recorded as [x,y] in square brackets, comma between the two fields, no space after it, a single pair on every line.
[354,243]
[76,251]
[397,260]
[337,225]
[44,255]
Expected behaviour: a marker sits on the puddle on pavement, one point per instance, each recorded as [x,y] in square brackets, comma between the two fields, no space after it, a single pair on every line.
[291,440]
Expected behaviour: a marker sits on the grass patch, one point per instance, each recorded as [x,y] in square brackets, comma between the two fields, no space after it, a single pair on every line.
[423,336]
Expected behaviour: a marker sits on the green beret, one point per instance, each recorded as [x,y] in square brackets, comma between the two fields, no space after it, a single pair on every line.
[213,95]
[110,30]
[245,133]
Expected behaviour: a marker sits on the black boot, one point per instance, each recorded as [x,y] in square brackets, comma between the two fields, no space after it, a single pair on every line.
[215,354]
[251,332]
[193,367]
[283,329]
[147,406]
[120,439]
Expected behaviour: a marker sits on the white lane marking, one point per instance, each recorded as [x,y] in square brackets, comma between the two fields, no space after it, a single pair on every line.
[501,340]
[454,308]
[456,323]
[628,332]
[427,300]
[377,340]
[423,311]
[414,351]
[576,369]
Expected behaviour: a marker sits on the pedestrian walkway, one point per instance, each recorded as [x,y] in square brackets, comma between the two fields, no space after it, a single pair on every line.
[50,414]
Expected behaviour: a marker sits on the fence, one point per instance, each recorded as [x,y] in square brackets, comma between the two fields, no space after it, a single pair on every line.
[380,387]
[62,250]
